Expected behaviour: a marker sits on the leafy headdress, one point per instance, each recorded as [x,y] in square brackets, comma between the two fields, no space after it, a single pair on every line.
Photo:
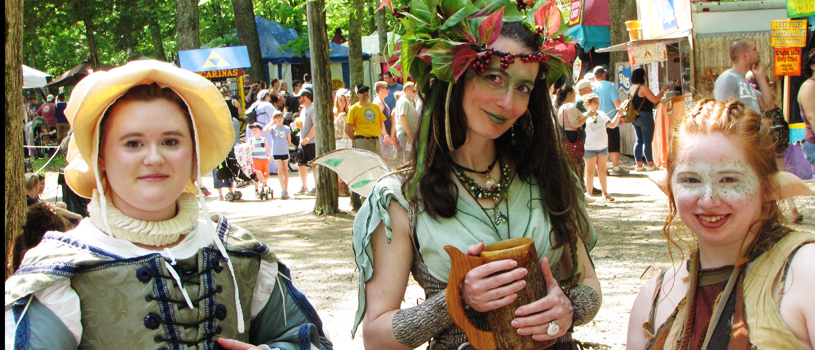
[444,38]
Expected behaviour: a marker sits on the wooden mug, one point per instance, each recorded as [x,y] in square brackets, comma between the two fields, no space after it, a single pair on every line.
[503,335]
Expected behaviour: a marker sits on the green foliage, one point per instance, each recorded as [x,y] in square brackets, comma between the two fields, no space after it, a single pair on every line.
[55,38]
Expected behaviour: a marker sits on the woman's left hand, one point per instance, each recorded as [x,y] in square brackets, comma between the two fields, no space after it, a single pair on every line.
[232,344]
[534,318]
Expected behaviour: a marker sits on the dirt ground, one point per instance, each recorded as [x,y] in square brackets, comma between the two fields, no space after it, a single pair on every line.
[318,250]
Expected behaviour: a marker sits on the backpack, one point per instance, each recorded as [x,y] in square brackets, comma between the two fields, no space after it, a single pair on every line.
[251,116]
[631,114]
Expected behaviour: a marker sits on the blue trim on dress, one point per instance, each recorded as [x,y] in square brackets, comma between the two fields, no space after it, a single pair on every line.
[22,334]
[60,269]
[208,284]
[60,237]
[304,336]
[160,289]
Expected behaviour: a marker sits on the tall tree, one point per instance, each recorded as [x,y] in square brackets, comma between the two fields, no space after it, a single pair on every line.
[382,32]
[15,203]
[326,202]
[355,63]
[248,35]
[620,11]
[187,24]
[82,7]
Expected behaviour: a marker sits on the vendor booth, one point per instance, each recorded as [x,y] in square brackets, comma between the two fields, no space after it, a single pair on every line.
[278,63]
[660,43]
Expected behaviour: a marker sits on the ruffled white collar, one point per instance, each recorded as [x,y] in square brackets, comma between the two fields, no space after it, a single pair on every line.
[152,233]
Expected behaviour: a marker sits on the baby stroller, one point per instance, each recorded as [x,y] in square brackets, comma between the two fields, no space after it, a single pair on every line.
[229,169]
[246,171]
[40,135]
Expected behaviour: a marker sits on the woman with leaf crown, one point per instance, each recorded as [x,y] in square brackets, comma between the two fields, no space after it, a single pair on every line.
[487,166]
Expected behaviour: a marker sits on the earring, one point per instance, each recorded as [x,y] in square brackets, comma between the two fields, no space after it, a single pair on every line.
[512,135]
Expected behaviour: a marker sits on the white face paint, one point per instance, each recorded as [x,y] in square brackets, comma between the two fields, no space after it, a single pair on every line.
[716,192]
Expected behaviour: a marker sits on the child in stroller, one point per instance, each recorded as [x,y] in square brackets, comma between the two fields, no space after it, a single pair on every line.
[40,135]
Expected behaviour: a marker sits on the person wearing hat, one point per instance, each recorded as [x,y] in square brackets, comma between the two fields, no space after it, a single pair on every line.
[365,122]
[143,271]
[307,139]
[48,110]
[609,103]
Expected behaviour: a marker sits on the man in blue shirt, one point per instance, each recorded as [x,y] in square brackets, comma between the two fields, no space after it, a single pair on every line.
[609,103]
[393,87]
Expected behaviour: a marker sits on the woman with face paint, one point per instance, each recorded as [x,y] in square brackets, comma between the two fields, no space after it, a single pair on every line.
[748,280]
[144,271]
[487,166]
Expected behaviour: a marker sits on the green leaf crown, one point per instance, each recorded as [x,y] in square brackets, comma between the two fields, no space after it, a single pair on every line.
[443,38]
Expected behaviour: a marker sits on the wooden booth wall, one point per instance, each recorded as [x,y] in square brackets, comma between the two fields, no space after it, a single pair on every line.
[711,57]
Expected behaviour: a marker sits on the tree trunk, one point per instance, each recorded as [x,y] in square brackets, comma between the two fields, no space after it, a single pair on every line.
[326,202]
[620,11]
[158,41]
[15,203]
[187,24]
[90,34]
[370,6]
[248,35]
[355,63]
[382,32]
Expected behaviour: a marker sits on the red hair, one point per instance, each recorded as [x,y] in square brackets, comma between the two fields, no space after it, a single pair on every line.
[743,127]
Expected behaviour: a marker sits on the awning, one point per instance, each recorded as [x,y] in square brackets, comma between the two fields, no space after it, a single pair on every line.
[33,78]
[624,46]
[591,37]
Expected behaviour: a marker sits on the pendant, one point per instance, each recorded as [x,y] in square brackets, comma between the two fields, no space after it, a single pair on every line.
[499,217]
[490,182]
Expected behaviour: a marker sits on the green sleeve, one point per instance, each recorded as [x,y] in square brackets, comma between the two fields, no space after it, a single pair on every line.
[288,321]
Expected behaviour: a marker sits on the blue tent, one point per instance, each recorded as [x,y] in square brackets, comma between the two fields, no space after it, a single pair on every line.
[272,35]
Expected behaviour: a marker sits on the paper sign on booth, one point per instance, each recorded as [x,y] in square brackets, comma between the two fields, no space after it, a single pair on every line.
[787,61]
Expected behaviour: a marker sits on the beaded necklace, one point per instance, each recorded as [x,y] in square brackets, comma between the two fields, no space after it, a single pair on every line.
[494,191]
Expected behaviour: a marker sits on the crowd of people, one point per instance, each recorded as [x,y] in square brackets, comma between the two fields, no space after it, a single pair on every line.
[498,158]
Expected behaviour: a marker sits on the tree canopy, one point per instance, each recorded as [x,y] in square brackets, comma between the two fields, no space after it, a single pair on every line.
[59,34]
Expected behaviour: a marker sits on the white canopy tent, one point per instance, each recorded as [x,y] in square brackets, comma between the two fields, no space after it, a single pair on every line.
[370,45]
[33,78]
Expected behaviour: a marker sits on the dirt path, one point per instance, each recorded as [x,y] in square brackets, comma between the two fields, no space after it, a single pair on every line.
[318,250]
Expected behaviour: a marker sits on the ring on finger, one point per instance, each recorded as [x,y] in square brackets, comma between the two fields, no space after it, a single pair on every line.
[553,328]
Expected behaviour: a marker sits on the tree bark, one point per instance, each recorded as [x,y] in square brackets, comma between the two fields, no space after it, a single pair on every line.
[382,33]
[620,11]
[248,35]
[187,24]
[158,41]
[355,63]
[370,6]
[90,34]
[326,201]
[15,203]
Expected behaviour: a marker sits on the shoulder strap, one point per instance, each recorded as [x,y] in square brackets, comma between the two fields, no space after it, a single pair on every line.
[652,315]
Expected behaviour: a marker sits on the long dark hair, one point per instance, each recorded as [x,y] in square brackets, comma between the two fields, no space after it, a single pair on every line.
[536,155]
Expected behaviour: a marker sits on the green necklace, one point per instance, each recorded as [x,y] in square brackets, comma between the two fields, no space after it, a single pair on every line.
[494,191]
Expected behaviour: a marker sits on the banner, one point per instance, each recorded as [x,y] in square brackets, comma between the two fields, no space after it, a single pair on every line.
[571,10]
[787,61]
[800,8]
[647,53]
[788,33]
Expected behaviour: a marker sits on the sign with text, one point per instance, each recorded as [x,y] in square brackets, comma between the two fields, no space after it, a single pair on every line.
[800,8]
[225,73]
[647,53]
[788,33]
[570,10]
[787,61]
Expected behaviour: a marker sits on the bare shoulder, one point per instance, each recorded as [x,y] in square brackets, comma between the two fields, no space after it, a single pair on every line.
[671,288]
[797,309]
